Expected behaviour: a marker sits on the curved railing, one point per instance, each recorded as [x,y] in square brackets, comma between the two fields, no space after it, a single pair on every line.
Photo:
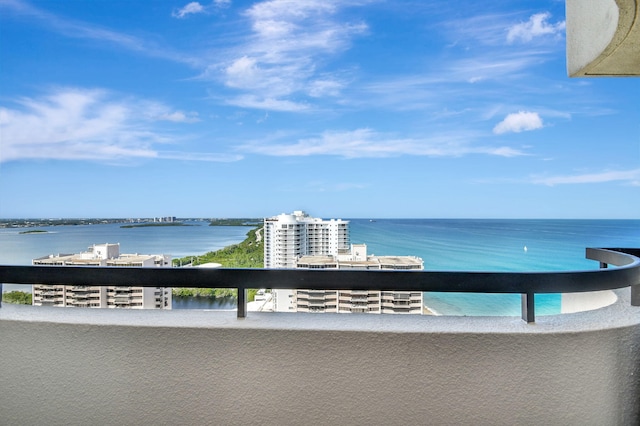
[528,284]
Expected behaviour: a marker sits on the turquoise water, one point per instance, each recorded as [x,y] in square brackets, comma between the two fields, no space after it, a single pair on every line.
[494,245]
[443,244]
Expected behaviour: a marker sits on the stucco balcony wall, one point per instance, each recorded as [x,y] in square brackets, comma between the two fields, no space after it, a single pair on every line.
[66,366]
[603,38]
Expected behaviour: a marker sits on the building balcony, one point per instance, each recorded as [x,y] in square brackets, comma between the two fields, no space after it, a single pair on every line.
[397,310]
[221,367]
[395,304]
[347,305]
[79,295]
[359,293]
[359,305]
[402,312]
[78,288]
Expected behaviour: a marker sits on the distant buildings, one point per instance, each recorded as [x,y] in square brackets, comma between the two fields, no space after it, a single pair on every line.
[107,255]
[169,219]
[299,241]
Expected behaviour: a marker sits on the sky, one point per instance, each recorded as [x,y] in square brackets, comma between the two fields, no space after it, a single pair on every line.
[345,109]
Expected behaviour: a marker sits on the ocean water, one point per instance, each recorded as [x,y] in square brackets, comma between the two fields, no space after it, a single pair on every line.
[443,244]
[494,245]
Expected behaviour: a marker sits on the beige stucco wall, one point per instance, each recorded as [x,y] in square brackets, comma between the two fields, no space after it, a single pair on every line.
[70,366]
[603,37]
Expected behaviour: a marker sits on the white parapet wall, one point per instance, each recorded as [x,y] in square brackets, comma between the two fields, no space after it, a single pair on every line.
[63,366]
[588,301]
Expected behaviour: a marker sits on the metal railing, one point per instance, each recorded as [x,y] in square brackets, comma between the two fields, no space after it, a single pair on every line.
[527,284]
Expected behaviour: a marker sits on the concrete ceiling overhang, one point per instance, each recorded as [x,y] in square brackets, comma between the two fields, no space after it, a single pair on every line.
[603,38]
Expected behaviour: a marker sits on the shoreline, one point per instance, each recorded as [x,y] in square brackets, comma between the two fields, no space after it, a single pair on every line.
[430,311]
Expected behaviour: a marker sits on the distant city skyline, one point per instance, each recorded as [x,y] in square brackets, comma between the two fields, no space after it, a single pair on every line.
[350,109]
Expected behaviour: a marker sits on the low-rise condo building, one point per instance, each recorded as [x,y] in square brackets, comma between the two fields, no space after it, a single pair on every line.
[107,255]
[363,301]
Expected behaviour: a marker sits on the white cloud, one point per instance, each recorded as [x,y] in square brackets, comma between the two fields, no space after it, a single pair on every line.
[159,112]
[70,27]
[478,56]
[488,75]
[279,9]
[495,66]
[504,151]
[489,29]
[89,31]
[283,54]
[80,124]
[199,156]
[518,122]
[190,9]
[179,117]
[536,26]
[366,143]
[72,124]
[269,104]
[631,177]
[322,87]
[243,72]
[485,29]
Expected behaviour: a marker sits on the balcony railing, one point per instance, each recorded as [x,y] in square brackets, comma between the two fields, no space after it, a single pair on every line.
[528,284]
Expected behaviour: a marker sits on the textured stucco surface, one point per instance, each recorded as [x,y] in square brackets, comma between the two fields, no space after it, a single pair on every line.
[71,366]
[603,37]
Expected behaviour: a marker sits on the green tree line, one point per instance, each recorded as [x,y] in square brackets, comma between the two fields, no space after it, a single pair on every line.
[17,297]
[247,254]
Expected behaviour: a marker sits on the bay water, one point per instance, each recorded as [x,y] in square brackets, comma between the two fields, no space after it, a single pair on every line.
[512,245]
[193,239]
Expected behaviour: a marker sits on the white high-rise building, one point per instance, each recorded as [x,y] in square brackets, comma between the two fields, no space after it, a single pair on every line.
[289,236]
[299,241]
[103,296]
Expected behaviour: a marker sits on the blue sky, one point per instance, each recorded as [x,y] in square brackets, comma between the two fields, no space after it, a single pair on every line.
[341,108]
